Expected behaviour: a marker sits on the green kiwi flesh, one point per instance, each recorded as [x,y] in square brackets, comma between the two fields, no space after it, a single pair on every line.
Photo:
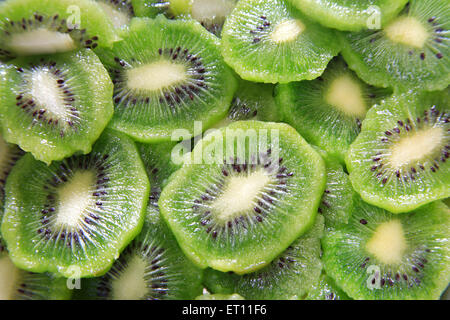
[328,111]
[266,186]
[400,159]
[170,8]
[252,101]
[337,201]
[411,51]
[55,106]
[351,15]
[165,80]
[270,41]
[385,256]
[290,276]
[77,215]
[326,289]
[29,27]
[152,267]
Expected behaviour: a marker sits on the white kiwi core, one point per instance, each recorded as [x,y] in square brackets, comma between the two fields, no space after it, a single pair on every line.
[211,10]
[287,31]
[75,197]
[345,94]
[41,41]
[416,146]
[130,285]
[118,18]
[388,243]
[9,276]
[47,94]
[156,76]
[240,194]
[408,31]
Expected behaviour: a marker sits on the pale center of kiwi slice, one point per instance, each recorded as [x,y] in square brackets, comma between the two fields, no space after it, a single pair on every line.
[41,41]
[75,197]
[388,242]
[211,10]
[119,19]
[9,276]
[345,94]
[156,76]
[287,31]
[408,31]
[416,146]
[46,93]
[240,194]
[131,285]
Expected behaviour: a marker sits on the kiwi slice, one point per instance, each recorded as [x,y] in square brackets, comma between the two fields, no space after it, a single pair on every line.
[326,289]
[30,27]
[76,215]
[337,200]
[120,12]
[411,51]
[271,41]
[218,296]
[246,192]
[289,276]
[400,159]
[54,106]
[152,267]
[167,74]
[351,15]
[328,111]
[16,284]
[252,101]
[381,255]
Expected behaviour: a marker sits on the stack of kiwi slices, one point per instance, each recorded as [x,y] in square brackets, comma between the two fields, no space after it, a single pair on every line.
[224,149]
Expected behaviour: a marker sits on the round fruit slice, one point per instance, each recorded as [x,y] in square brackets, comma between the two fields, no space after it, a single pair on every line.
[351,15]
[30,27]
[400,159]
[55,106]
[411,51]
[270,41]
[290,276]
[328,111]
[77,215]
[380,255]
[246,192]
[326,289]
[167,74]
[16,284]
[152,267]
